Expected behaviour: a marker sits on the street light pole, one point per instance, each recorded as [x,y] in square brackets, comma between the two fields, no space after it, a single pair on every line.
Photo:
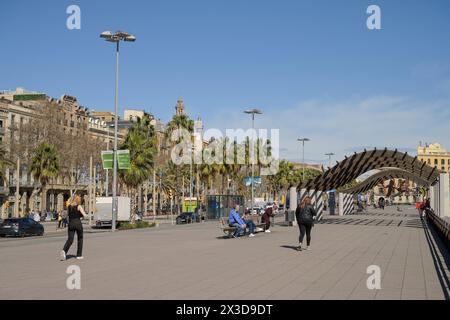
[107,170]
[252,112]
[329,158]
[303,140]
[116,38]
[190,179]
[116,123]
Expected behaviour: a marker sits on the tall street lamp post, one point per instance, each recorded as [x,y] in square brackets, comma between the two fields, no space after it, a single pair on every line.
[252,150]
[329,158]
[303,140]
[116,38]
[107,170]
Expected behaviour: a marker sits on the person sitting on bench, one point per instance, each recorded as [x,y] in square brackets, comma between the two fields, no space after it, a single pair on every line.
[235,220]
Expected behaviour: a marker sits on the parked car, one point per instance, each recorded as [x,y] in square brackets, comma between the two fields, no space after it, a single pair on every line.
[257,210]
[20,227]
[187,217]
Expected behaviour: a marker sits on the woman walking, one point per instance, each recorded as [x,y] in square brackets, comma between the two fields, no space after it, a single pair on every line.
[76,212]
[305,214]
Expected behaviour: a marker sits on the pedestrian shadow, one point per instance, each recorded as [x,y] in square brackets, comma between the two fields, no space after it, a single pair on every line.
[223,237]
[70,256]
[289,247]
[440,255]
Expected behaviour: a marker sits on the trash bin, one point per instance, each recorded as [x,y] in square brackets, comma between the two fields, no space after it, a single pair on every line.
[290,217]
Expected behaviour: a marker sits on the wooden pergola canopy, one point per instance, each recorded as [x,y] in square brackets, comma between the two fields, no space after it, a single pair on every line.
[350,168]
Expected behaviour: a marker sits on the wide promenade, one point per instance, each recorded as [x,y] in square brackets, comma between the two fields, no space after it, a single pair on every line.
[195,262]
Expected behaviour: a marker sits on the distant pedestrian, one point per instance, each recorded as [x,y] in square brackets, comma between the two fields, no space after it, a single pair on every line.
[64,218]
[76,212]
[268,214]
[418,207]
[381,203]
[305,215]
[36,217]
[59,220]
[426,207]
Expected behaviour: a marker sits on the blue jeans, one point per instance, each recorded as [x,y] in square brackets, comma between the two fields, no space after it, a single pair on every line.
[239,230]
[250,225]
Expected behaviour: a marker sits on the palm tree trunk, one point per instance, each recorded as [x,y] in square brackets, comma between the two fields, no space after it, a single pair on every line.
[132,195]
[43,200]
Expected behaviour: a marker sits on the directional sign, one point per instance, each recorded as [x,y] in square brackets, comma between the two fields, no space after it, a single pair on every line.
[107,159]
[248,181]
[123,159]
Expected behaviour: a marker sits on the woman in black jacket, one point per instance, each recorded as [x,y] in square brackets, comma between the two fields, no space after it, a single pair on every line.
[305,214]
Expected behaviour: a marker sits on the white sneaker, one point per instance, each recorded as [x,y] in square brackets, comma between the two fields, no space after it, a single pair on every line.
[251,235]
[259,229]
[308,248]
[62,255]
[267,231]
[80,258]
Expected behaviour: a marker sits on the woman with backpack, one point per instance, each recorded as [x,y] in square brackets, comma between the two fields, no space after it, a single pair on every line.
[305,215]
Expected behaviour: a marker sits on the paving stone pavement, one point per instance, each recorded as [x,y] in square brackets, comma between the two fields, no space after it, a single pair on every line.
[195,262]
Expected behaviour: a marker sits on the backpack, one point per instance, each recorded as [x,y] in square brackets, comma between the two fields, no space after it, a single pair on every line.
[307,215]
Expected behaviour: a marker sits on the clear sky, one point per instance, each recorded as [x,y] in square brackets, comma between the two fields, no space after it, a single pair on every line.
[312,67]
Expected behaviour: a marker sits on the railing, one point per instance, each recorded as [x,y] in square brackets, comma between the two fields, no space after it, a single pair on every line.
[442,227]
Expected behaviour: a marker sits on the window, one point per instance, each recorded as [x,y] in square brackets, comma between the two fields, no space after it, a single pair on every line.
[1,123]
[429,162]
[443,162]
[435,162]
[443,168]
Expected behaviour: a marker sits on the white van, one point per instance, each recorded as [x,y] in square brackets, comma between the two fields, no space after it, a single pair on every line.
[103,211]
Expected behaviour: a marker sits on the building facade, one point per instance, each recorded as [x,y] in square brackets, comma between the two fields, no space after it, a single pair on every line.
[17,109]
[69,121]
[434,155]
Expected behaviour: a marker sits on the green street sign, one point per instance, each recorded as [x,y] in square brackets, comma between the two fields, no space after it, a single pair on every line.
[123,159]
[107,160]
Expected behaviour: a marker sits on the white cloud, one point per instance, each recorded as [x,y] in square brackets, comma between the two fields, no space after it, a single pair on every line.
[340,126]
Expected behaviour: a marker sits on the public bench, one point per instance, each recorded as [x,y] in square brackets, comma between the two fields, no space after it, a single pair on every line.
[229,231]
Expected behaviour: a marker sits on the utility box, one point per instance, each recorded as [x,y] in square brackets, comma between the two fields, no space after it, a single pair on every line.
[290,218]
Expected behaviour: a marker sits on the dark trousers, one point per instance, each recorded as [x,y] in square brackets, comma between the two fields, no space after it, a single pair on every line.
[75,226]
[250,225]
[266,221]
[305,229]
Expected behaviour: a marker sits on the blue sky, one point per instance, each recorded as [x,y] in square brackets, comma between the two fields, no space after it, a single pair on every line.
[313,67]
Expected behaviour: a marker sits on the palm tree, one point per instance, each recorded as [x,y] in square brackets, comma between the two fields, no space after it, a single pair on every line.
[45,166]
[140,140]
[178,122]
